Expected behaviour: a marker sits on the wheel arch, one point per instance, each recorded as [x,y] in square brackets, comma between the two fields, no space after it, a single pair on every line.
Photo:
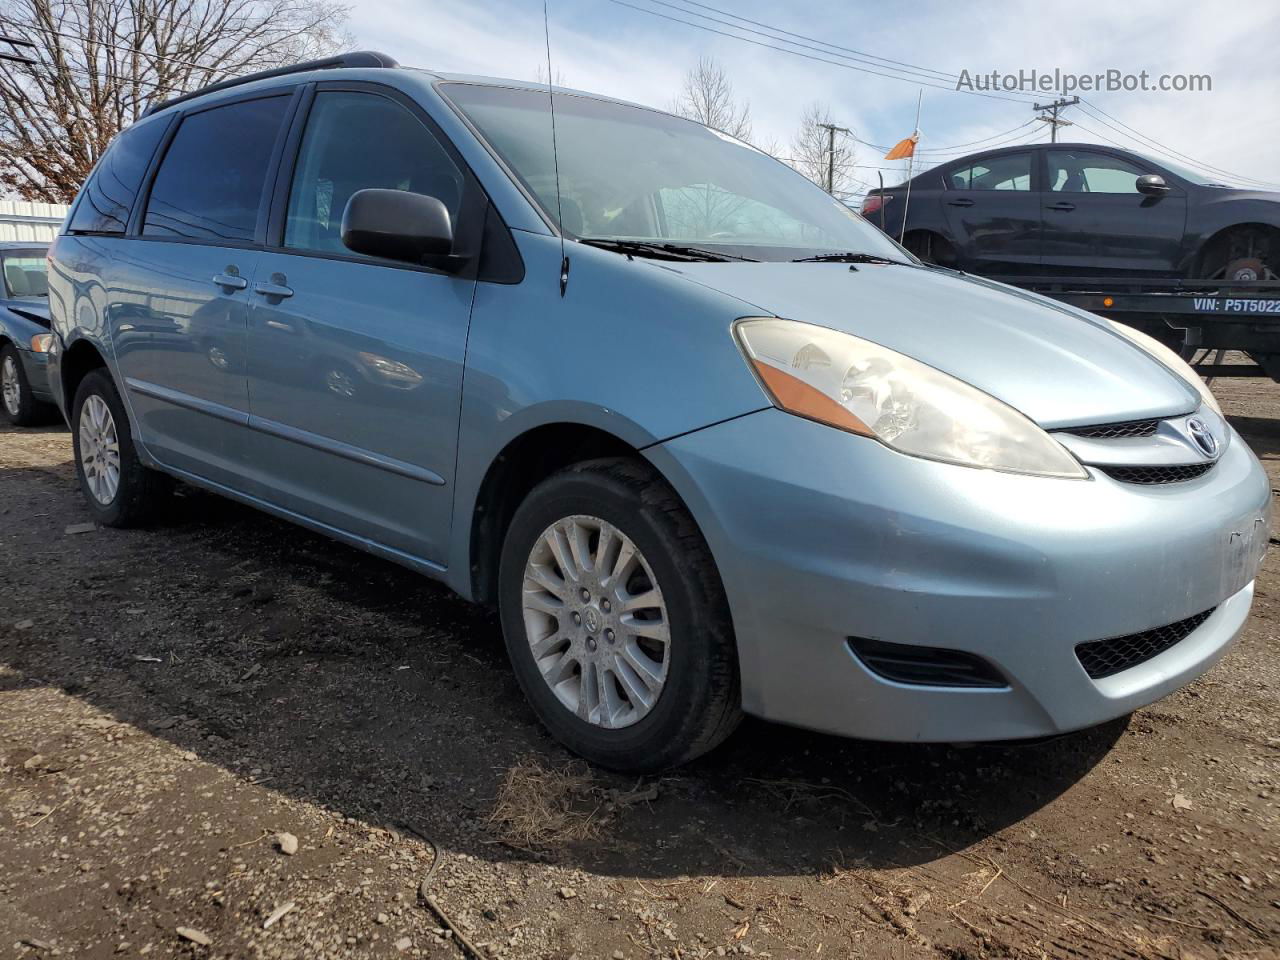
[524,462]
[914,240]
[1213,241]
[78,360]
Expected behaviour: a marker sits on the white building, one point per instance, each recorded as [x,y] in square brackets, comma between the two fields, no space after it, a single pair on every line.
[25,220]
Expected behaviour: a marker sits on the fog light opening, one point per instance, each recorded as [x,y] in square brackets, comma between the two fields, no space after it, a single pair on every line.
[926,666]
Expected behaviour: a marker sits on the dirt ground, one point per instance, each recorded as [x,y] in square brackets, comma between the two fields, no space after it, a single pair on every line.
[174,700]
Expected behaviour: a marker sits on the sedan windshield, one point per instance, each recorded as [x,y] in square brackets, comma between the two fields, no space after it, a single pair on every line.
[25,274]
[644,183]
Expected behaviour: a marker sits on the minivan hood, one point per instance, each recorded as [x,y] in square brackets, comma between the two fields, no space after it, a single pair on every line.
[1058,365]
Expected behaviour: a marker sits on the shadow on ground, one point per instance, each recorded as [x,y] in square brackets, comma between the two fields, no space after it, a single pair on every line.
[363,688]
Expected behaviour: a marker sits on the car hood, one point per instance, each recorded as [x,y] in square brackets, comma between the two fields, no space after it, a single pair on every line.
[37,311]
[1058,365]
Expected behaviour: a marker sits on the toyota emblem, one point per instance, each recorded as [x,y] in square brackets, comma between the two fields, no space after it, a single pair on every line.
[1205,440]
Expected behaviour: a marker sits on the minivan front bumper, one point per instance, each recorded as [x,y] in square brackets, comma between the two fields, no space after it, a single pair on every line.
[821,536]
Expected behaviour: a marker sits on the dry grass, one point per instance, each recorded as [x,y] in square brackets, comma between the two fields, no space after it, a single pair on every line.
[538,807]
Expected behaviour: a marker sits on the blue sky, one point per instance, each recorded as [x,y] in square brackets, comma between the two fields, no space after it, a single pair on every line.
[612,49]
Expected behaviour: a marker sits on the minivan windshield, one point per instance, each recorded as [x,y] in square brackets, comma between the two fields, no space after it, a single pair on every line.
[644,182]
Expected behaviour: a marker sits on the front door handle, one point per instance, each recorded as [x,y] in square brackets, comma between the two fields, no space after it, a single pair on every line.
[1061,205]
[275,287]
[961,202]
[230,280]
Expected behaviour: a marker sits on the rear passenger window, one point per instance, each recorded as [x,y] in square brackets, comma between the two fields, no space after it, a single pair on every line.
[209,185]
[107,199]
[1010,172]
[356,141]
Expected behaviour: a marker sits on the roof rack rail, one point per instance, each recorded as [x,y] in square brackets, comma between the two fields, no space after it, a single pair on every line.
[357,58]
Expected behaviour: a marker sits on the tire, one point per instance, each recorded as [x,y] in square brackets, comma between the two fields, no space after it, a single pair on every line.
[138,491]
[698,703]
[17,402]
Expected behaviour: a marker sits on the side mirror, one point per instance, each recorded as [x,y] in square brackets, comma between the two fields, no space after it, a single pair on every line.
[1152,185]
[398,225]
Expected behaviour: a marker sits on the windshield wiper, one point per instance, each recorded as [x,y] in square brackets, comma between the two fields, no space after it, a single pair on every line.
[849,258]
[662,251]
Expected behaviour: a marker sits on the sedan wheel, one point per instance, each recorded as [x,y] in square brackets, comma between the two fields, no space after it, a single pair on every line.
[9,385]
[596,621]
[17,402]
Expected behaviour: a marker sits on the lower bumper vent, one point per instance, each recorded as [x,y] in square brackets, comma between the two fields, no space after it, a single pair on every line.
[1104,658]
[925,666]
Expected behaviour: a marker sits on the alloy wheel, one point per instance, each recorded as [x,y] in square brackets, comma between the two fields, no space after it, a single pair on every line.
[11,386]
[99,449]
[596,622]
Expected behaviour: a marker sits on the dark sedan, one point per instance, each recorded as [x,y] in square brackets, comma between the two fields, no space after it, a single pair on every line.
[1074,209]
[25,395]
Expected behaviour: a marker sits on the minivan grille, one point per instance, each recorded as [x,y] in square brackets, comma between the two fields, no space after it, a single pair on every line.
[1158,474]
[1103,658]
[1117,431]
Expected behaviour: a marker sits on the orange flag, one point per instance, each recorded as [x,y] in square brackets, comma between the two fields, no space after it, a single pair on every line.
[903,148]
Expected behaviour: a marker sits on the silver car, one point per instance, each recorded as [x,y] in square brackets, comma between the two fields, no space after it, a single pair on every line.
[710,442]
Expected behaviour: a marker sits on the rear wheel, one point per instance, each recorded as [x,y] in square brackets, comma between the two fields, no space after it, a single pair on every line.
[615,618]
[118,488]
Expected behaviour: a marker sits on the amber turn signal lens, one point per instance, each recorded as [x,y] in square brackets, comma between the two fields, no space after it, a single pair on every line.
[41,341]
[795,396]
[1108,302]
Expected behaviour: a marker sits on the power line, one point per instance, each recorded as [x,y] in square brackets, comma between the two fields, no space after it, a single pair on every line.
[807,56]
[16,43]
[1127,146]
[859,58]
[1093,109]
[958,146]
[942,75]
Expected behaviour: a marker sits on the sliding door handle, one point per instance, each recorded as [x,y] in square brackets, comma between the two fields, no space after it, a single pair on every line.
[961,202]
[272,288]
[230,281]
[1061,205]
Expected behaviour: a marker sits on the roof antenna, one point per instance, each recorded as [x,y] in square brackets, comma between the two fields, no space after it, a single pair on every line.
[555,154]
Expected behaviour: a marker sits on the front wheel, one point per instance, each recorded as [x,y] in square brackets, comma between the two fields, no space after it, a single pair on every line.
[21,408]
[616,620]
[119,489]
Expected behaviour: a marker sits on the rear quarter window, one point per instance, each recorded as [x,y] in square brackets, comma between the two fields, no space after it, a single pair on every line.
[106,200]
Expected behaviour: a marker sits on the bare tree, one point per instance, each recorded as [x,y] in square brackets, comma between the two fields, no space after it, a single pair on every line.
[811,152]
[100,63]
[707,96]
[540,77]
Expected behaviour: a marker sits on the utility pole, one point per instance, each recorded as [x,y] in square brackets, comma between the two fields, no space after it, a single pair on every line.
[832,129]
[1053,121]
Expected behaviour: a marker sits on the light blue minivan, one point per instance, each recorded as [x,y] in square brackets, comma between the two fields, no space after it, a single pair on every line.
[710,442]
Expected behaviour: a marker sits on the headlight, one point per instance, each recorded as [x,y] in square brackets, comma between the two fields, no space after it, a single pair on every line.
[1164,355]
[858,386]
